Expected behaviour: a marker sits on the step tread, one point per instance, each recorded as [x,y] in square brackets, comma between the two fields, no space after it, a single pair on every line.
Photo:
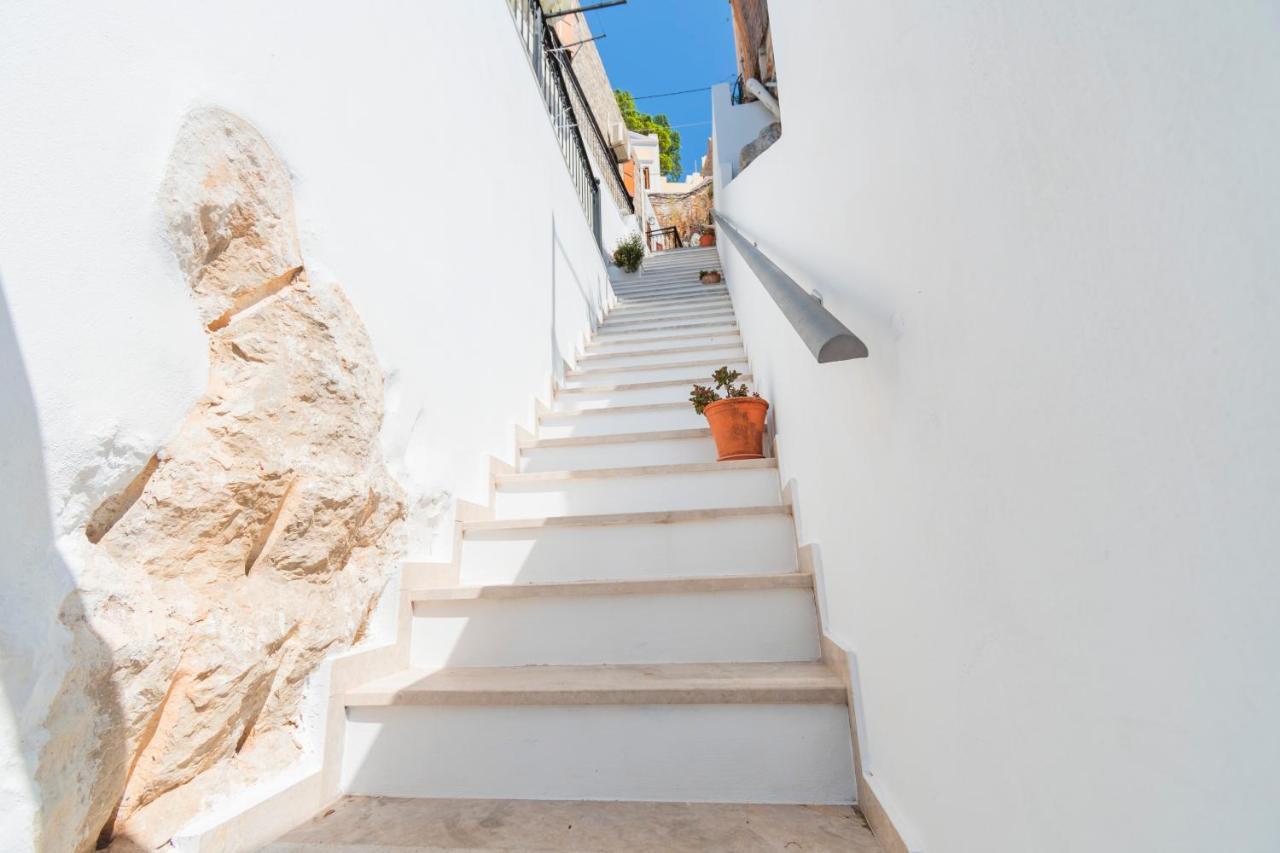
[636,586]
[640,368]
[622,334]
[706,295]
[638,386]
[681,297]
[677,516]
[660,339]
[672,293]
[558,414]
[682,309]
[616,438]
[808,682]
[672,318]
[635,471]
[598,357]
[676,300]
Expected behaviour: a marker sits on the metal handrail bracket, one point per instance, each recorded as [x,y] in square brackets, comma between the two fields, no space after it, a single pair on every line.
[825,336]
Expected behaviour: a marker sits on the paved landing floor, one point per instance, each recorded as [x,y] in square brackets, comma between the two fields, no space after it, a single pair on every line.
[388,825]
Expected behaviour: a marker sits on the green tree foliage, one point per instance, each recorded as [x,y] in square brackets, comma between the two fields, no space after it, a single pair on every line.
[668,139]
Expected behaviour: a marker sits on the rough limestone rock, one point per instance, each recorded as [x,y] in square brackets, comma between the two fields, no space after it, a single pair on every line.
[767,136]
[689,212]
[253,545]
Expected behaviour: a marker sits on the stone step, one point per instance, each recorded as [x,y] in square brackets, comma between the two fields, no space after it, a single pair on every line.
[707,294]
[647,488]
[687,265]
[754,683]
[659,354]
[722,314]
[671,291]
[712,327]
[630,393]
[617,450]
[757,732]
[624,546]
[594,375]
[681,308]
[612,420]
[668,620]
[387,825]
[644,344]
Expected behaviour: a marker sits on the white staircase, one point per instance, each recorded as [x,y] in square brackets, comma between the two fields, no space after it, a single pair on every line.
[630,624]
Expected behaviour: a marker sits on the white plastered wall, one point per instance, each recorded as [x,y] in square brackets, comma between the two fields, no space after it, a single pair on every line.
[428,183]
[1046,505]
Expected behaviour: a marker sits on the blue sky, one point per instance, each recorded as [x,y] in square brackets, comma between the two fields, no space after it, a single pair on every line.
[656,46]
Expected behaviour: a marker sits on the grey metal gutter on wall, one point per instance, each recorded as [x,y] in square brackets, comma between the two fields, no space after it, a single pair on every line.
[825,336]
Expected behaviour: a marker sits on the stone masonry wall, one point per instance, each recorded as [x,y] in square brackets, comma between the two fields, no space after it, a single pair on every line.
[689,212]
[754,43]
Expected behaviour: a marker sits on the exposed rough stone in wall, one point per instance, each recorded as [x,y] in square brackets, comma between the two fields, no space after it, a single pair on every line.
[689,212]
[768,135]
[253,544]
[589,69]
[593,102]
[753,41]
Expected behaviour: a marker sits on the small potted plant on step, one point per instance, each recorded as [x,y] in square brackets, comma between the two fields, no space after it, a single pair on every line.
[736,419]
[629,253]
[709,276]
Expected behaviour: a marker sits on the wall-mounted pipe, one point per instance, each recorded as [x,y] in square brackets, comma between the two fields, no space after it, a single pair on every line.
[766,97]
[825,336]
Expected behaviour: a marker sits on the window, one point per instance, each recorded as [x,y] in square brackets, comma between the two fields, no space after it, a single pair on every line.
[646,177]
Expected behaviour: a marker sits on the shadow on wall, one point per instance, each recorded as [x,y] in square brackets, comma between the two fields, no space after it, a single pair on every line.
[43,630]
[560,257]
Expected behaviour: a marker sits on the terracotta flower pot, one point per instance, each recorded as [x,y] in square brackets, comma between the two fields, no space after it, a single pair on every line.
[737,425]
[710,278]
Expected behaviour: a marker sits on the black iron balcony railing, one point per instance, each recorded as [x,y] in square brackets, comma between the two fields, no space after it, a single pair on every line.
[569,112]
[601,153]
[659,239]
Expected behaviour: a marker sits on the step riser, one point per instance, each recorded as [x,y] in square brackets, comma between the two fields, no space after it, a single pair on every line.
[685,265]
[691,285]
[732,351]
[610,327]
[594,399]
[727,626]
[606,376]
[622,455]
[757,544]
[685,753]
[709,330]
[656,281]
[664,260]
[667,316]
[705,293]
[654,493]
[672,293]
[657,264]
[643,344]
[679,309]
[626,306]
[579,425]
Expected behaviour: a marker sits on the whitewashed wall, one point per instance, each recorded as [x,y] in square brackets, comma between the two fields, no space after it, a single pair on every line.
[1047,503]
[428,184]
[732,126]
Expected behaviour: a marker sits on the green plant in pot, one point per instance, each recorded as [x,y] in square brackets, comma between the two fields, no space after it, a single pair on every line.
[629,253]
[736,418]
